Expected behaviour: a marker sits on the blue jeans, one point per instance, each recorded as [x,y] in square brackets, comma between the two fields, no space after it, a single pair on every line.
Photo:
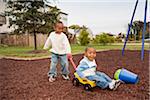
[102,80]
[54,62]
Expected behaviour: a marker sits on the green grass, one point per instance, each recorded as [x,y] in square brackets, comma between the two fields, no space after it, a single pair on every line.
[115,46]
[20,52]
[24,51]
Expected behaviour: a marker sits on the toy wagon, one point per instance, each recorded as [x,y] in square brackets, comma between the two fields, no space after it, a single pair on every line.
[77,80]
[88,84]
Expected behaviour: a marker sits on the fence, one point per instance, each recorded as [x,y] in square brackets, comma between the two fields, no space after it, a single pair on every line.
[23,39]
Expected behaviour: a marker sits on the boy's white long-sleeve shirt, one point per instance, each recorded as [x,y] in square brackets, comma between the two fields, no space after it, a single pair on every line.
[58,42]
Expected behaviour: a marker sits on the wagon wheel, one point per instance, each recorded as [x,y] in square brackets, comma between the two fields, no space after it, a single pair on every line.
[75,82]
[87,87]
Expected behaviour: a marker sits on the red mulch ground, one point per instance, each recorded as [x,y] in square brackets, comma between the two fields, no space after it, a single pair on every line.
[27,80]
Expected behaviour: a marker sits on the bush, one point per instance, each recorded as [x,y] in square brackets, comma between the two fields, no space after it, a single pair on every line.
[104,39]
[84,37]
[118,40]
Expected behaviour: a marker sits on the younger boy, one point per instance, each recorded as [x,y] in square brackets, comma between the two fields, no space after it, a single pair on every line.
[60,49]
[87,69]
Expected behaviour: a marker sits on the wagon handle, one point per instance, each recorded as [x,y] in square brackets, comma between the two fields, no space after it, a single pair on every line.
[72,63]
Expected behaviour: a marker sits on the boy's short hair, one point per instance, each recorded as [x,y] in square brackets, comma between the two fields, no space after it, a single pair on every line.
[86,49]
[58,22]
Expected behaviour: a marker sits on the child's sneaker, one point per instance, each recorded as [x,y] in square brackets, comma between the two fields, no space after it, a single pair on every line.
[112,84]
[51,79]
[117,83]
[66,77]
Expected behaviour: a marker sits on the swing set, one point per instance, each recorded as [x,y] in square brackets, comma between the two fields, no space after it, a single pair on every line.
[143,33]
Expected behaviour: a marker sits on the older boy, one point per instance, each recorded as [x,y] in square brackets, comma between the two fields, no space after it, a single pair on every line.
[60,49]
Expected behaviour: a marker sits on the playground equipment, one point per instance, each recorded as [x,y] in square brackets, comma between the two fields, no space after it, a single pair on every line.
[126,76]
[88,84]
[143,33]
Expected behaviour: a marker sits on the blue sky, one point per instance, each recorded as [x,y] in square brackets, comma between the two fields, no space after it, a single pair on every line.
[103,15]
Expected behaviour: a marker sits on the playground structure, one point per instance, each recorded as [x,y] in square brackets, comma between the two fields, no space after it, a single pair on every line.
[144,29]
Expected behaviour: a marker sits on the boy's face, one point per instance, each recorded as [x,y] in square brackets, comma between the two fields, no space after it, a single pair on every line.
[90,54]
[59,28]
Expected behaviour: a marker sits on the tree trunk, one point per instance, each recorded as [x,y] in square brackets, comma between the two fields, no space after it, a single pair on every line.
[35,44]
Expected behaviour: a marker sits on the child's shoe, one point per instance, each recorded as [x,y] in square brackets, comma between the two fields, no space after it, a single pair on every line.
[117,83]
[51,79]
[66,77]
[112,84]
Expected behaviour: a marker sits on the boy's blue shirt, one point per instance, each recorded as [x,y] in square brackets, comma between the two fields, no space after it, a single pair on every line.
[84,66]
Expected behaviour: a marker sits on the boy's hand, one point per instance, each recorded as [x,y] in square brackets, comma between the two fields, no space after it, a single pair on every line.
[69,56]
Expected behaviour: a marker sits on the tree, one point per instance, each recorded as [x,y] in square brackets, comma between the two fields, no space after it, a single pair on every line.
[104,39]
[76,28]
[84,36]
[147,34]
[137,29]
[29,16]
